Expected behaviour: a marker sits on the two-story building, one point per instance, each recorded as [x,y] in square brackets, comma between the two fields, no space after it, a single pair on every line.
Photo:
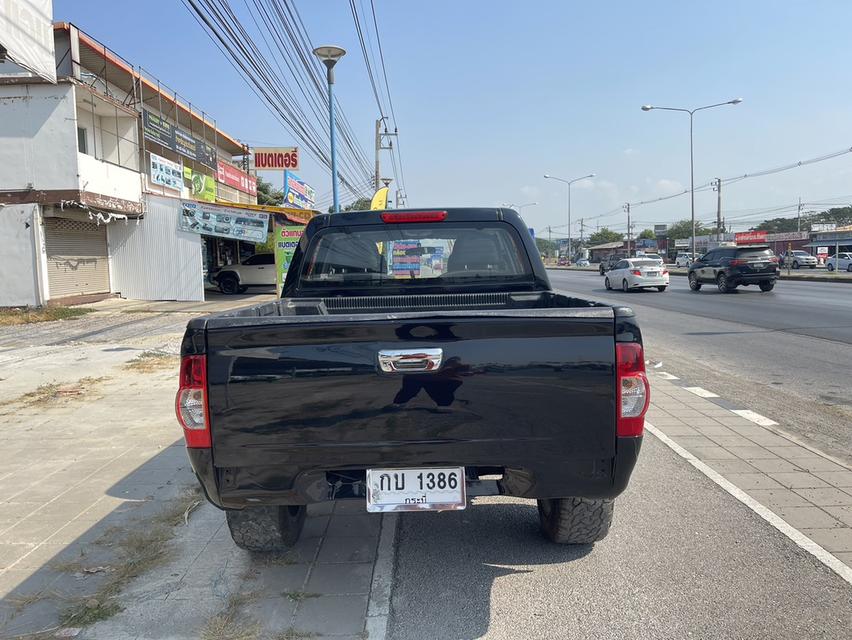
[97,175]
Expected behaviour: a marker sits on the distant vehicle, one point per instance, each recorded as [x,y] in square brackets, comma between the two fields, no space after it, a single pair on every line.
[798,259]
[651,256]
[582,262]
[610,261]
[562,262]
[840,262]
[730,267]
[683,260]
[637,273]
[257,270]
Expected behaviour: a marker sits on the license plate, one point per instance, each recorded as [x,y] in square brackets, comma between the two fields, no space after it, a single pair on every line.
[416,489]
[652,273]
[759,265]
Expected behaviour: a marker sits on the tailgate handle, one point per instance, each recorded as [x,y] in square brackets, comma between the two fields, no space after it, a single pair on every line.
[410,360]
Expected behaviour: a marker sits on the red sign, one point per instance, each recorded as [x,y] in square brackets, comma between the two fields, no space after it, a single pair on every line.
[276,158]
[750,237]
[231,176]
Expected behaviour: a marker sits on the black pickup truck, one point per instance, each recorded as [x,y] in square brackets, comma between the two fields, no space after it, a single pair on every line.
[415,359]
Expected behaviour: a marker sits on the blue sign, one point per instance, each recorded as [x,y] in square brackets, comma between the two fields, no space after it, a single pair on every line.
[297,192]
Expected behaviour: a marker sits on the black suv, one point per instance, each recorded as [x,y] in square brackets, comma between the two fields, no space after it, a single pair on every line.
[729,267]
[610,261]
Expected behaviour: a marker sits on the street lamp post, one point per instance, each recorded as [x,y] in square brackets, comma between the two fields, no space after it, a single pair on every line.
[329,55]
[519,207]
[691,112]
[569,183]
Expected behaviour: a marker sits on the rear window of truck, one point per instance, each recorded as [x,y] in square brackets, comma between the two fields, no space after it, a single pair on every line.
[416,253]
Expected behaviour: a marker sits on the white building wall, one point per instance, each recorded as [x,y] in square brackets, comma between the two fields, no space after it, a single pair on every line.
[38,137]
[153,260]
[19,255]
[97,176]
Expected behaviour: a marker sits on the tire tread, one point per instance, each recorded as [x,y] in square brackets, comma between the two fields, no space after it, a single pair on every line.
[577,520]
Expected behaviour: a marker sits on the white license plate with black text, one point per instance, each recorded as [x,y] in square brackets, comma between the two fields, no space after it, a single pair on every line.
[416,489]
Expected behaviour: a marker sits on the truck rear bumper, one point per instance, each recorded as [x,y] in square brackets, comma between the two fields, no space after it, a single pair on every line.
[239,487]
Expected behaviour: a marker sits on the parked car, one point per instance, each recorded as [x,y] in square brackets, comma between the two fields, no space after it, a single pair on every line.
[562,262]
[582,262]
[610,261]
[840,262]
[403,392]
[637,273]
[256,271]
[683,260]
[730,267]
[798,259]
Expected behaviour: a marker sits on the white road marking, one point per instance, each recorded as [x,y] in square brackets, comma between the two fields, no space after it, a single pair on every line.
[756,418]
[701,393]
[799,538]
[381,588]
[667,376]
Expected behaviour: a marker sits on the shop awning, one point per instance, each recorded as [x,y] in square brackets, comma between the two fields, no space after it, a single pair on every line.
[829,243]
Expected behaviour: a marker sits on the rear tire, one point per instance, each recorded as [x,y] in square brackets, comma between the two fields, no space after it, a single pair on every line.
[607,284]
[625,287]
[723,284]
[266,529]
[229,285]
[766,285]
[661,289]
[849,268]
[575,520]
[830,267]
[694,284]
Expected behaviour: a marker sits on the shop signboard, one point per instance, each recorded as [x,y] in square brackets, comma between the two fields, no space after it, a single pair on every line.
[166,173]
[202,186]
[297,192]
[159,130]
[787,236]
[823,226]
[287,238]
[681,243]
[822,252]
[276,158]
[751,237]
[661,230]
[233,177]
[223,222]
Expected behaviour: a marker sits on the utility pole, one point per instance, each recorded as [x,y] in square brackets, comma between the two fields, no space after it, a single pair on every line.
[718,189]
[627,209]
[380,136]
[581,230]
[799,216]
[549,235]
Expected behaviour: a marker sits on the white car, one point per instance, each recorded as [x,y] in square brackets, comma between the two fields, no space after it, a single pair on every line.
[255,271]
[840,262]
[683,260]
[798,259]
[637,273]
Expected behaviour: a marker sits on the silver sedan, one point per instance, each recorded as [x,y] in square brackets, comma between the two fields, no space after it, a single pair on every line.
[637,273]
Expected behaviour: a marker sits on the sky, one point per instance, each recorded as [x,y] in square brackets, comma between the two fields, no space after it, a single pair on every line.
[491,95]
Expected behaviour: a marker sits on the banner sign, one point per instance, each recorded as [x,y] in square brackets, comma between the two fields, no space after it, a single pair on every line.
[162,132]
[224,222]
[297,192]
[287,238]
[166,173]
[202,186]
[823,226]
[276,158]
[661,230]
[789,235]
[681,243]
[822,252]
[26,33]
[233,177]
[750,237]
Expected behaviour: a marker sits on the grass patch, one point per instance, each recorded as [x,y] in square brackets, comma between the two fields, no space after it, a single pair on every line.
[150,361]
[299,596]
[295,634]
[225,626]
[54,392]
[28,315]
[21,602]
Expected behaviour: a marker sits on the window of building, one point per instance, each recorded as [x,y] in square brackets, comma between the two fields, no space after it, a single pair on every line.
[82,143]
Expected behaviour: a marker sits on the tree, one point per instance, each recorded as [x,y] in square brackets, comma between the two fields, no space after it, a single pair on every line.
[647,234]
[683,229]
[546,247]
[268,195]
[603,236]
[361,204]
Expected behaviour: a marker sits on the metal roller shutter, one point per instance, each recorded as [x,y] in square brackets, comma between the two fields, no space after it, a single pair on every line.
[77,262]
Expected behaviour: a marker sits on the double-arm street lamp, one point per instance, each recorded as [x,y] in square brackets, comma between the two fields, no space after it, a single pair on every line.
[691,113]
[519,207]
[569,183]
[329,55]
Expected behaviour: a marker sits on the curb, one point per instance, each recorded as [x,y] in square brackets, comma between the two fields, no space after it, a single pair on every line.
[381,588]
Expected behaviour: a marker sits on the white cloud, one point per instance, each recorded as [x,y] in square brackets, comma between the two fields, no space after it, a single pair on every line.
[666,187]
[530,192]
[630,151]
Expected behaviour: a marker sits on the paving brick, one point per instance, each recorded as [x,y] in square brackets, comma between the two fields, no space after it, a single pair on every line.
[712,453]
[798,480]
[749,481]
[690,442]
[845,557]
[331,579]
[366,524]
[776,465]
[818,464]
[800,453]
[731,466]
[752,452]
[831,539]
[731,441]
[711,430]
[836,478]
[778,498]
[843,514]
[826,497]
[351,507]
[677,430]
[315,526]
[769,439]
[361,549]
[332,615]
[807,517]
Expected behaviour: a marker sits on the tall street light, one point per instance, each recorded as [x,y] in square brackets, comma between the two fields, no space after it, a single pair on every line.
[691,112]
[569,183]
[329,55]
[519,207]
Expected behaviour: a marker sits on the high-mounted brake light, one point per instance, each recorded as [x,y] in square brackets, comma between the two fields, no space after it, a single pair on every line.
[633,391]
[191,402]
[413,216]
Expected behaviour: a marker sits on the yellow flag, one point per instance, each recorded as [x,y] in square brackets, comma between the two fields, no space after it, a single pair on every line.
[380,200]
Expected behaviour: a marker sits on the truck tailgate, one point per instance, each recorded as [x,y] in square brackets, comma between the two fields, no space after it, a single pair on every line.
[513,387]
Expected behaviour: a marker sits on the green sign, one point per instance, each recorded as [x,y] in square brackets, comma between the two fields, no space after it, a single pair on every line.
[201,186]
[286,240]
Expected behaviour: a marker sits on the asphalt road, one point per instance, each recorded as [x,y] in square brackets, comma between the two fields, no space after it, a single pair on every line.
[683,559]
[786,354]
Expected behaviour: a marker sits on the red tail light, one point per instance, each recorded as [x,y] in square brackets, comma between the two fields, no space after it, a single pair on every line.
[636,272]
[633,392]
[413,216]
[736,262]
[665,272]
[191,402]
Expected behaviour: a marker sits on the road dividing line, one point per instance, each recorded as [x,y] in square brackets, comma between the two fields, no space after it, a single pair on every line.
[756,418]
[667,376]
[799,538]
[701,393]
[381,588]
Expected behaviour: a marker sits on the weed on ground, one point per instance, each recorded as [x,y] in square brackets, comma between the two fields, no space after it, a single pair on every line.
[55,393]
[225,624]
[28,315]
[150,361]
